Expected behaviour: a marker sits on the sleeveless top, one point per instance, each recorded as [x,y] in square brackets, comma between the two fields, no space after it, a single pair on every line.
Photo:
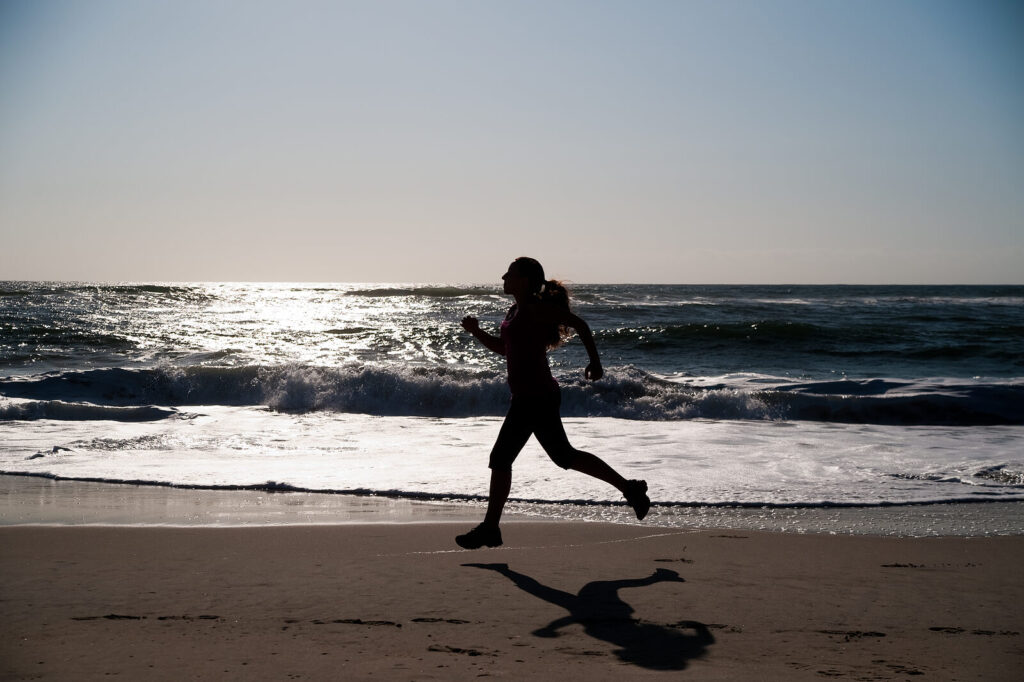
[526,355]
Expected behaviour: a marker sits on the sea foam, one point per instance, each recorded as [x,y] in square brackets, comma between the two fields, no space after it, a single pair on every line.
[624,392]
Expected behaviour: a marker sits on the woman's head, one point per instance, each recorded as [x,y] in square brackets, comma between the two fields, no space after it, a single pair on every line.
[531,269]
[525,276]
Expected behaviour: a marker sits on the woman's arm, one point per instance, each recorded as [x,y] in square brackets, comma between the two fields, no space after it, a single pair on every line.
[472,325]
[594,371]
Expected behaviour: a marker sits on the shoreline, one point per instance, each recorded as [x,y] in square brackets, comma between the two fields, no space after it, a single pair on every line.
[40,501]
[44,501]
[588,600]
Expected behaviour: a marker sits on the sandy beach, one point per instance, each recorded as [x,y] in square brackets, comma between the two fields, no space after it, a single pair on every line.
[718,307]
[584,600]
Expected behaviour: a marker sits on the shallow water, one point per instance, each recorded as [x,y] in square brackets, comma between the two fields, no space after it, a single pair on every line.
[782,398]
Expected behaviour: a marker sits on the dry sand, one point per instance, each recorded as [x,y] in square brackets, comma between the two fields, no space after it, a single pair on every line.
[558,601]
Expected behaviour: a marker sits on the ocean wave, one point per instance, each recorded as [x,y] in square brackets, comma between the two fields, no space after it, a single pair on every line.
[139,289]
[33,336]
[453,496]
[1001,475]
[117,293]
[424,292]
[669,335]
[32,410]
[445,391]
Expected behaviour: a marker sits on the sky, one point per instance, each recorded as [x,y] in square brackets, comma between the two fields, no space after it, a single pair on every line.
[684,141]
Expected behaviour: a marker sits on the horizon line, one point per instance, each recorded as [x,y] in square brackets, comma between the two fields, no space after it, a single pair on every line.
[498,284]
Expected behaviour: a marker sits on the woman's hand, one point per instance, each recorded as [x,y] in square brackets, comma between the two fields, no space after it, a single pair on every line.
[594,371]
[472,325]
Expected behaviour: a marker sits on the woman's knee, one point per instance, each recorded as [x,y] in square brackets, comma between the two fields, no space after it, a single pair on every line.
[501,462]
[566,459]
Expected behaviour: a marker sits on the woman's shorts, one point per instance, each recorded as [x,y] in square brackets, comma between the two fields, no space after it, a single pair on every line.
[536,415]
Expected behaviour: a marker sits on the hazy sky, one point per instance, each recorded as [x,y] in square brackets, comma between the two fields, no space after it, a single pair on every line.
[877,141]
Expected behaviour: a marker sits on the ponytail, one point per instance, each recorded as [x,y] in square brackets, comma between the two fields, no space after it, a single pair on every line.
[554,293]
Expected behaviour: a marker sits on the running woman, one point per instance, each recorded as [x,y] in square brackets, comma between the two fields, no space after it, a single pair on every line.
[539,320]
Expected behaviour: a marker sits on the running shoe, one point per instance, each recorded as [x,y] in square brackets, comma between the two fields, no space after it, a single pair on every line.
[480,536]
[636,496]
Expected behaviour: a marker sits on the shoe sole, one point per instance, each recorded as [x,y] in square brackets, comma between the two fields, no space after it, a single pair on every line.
[459,542]
[476,546]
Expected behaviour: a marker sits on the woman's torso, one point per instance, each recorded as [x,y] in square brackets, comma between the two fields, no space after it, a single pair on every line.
[526,353]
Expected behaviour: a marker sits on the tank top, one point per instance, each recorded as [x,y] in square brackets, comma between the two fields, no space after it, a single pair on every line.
[526,355]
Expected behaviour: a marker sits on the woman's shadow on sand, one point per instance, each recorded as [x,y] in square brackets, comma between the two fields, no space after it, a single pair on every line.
[604,616]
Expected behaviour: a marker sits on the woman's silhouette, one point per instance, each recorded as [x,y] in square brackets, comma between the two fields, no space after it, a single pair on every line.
[539,321]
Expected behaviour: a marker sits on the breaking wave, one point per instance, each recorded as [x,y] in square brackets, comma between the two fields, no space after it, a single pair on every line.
[625,392]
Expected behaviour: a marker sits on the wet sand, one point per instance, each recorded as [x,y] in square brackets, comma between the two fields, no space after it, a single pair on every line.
[44,500]
[35,500]
[559,601]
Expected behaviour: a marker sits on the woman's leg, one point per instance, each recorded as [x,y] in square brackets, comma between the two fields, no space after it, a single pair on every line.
[634,491]
[514,433]
[501,485]
[592,465]
[551,434]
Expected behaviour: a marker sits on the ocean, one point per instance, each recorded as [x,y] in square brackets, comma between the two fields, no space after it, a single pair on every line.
[745,397]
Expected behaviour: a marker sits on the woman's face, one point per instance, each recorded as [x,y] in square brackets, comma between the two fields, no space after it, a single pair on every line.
[513,281]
